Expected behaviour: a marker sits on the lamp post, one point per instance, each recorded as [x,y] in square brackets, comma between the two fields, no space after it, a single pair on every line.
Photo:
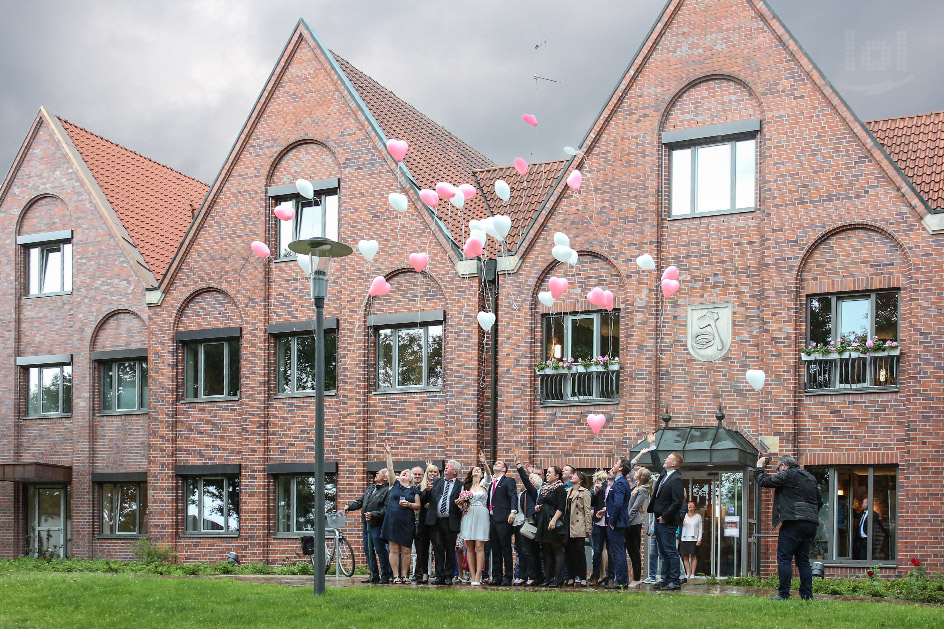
[320,251]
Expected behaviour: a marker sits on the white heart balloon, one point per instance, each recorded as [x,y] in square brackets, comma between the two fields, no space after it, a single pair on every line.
[560,238]
[572,260]
[571,150]
[304,188]
[546,298]
[756,378]
[486,320]
[305,263]
[475,225]
[502,190]
[645,262]
[502,225]
[458,200]
[562,253]
[488,226]
[368,249]
[397,201]
[479,235]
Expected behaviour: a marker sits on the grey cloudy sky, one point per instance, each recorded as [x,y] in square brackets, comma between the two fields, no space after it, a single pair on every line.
[175,79]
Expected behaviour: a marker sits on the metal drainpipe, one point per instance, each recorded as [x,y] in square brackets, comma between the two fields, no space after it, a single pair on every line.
[491,278]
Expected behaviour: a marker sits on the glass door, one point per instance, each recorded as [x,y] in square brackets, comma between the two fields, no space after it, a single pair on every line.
[48,520]
[719,499]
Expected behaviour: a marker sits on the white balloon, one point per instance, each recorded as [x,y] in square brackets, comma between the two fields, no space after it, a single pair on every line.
[560,238]
[645,262]
[368,249]
[304,188]
[756,378]
[488,226]
[479,235]
[502,225]
[475,225]
[304,261]
[571,150]
[502,190]
[562,252]
[486,320]
[572,260]
[458,200]
[546,298]
[397,201]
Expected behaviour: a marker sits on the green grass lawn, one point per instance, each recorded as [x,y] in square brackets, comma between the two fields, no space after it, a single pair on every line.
[102,600]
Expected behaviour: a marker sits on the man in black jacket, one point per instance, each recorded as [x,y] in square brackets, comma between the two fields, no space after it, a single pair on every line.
[502,506]
[444,517]
[796,509]
[665,505]
[373,507]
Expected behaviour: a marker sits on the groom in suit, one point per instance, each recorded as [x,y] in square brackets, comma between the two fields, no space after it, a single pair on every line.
[443,518]
[502,507]
[617,521]
[665,506]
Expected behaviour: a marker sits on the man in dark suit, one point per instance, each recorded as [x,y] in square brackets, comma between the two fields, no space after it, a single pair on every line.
[444,517]
[665,506]
[860,536]
[617,521]
[502,506]
[373,507]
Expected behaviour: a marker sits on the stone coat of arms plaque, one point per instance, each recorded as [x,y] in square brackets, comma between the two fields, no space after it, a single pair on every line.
[709,330]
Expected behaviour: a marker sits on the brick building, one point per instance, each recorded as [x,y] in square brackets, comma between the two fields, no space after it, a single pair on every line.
[723,151]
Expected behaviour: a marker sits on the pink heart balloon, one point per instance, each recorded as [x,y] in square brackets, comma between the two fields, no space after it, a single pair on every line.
[397,149]
[445,190]
[670,287]
[379,287]
[260,249]
[419,261]
[670,273]
[521,166]
[467,190]
[596,422]
[284,212]
[608,299]
[595,297]
[557,286]
[472,248]
[429,197]
[530,119]
[574,180]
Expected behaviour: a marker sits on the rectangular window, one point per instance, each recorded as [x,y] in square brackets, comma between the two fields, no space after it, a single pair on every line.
[124,506]
[49,268]
[49,390]
[212,504]
[124,386]
[859,519]
[410,358]
[713,178]
[295,501]
[296,361]
[573,339]
[317,217]
[211,369]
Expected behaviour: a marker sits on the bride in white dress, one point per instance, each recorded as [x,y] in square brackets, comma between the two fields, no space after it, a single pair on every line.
[475,522]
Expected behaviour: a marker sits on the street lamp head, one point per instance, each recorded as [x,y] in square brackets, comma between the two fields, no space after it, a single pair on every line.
[314,256]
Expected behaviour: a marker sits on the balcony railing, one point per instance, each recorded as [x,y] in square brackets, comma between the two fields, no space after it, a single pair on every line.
[851,372]
[565,388]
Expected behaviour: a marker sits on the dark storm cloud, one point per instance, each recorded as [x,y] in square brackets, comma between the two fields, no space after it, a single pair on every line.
[176,80]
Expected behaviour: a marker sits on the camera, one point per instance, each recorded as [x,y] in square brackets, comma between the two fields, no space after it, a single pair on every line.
[767,460]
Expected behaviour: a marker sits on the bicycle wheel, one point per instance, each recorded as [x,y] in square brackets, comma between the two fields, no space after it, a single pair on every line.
[329,553]
[346,556]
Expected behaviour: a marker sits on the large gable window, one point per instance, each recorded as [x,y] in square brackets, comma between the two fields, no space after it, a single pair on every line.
[48,263]
[314,218]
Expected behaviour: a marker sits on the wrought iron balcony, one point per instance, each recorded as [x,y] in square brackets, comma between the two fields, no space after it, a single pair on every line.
[851,372]
[575,387]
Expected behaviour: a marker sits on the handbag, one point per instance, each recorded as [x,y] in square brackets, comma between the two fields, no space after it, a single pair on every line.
[529,530]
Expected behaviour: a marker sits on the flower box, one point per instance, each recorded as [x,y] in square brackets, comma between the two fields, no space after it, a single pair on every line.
[830,356]
[888,352]
[550,371]
[595,368]
[613,367]
[834,355]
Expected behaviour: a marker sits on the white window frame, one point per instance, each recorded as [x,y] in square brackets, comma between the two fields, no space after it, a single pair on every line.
[199,347]
[140,512]
[328,224]
[228,481]
[139,395]
[694,147]
[395,330]
[38,370]
[36,254]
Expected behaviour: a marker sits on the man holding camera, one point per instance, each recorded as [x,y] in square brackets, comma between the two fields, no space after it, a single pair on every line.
[796,509]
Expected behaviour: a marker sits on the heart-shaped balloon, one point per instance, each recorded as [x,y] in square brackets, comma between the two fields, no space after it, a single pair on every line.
[397,201]
[419,261]
[557,286]
[574,180]
[304,263]
[670,287]
[475,224]
[445,190]
[608,298]
[502,190]
[488,226]
[521,166]
[429,197]
[260,249]
[368,249]
[479,235]
[502,225]
[562,253]
[670,273]
[571,150]
[305,188]
[284,211]
[595,297]
[572,260]
[467,190]
[472,248]
[397,149]
[756,378]
[530,119]
[379,287]
[546,298]
[645,262]
[596,422]
[486,320]
[457,199]
[560,238]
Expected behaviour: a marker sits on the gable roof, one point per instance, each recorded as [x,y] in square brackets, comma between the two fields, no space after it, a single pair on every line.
[154,203]
[916,143]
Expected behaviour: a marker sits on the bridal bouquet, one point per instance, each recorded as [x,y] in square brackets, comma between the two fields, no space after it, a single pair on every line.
[464,500]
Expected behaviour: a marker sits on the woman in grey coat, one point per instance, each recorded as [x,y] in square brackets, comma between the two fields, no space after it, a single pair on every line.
[638,500]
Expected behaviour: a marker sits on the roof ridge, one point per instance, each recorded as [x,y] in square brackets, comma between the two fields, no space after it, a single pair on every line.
[924,115]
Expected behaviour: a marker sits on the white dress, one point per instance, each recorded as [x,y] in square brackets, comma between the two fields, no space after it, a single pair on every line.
[475,523]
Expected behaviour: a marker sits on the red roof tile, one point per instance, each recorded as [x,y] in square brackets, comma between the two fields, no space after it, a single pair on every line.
[155,203]
[916,143]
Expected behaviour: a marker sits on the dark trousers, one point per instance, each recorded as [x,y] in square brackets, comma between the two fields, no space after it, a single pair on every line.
[598,543]
[444,549]
[633,543]
[537,561]
[665,538]
[577,558]
[553,560]
[523,551]
[380,553]
[793,544]
[616,544]
[421,542]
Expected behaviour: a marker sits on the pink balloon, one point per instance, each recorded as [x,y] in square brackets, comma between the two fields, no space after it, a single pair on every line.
[260,249]
[521,166]
[429,197]
[379,287]
[557,286]
[574,180]
[419,261]
[595,297]
[596,422]
[472,248]
[670,273]
[670,287]
[608,299]
[445,190]
[397,149]
[284,212]
[467,190]
[530,119]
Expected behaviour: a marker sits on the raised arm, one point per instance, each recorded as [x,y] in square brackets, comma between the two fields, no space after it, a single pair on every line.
[391,474]
[486,470]
[425,482]
[653,453]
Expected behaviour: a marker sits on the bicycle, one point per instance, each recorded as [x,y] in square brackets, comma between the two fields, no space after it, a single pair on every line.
[337,549]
